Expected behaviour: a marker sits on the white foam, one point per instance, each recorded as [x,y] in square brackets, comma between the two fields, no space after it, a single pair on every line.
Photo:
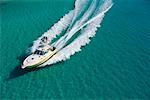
[55,30]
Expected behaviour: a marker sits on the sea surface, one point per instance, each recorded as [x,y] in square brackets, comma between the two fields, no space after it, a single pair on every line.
[114,65]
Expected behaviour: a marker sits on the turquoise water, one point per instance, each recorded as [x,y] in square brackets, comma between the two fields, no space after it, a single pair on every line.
[115,65]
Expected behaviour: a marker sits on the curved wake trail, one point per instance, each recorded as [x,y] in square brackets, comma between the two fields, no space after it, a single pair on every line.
[78,19]
[78,25]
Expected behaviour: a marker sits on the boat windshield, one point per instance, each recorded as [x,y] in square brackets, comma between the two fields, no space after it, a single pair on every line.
[39,52]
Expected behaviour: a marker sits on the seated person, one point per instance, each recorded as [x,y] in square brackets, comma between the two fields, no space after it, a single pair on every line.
[44,39]
[51,48]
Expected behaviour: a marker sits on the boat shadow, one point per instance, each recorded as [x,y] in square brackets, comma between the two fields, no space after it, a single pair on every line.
[18,71]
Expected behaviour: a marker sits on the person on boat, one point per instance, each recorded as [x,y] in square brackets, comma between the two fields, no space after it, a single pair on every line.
[50,47]
[44,42]
[44,39]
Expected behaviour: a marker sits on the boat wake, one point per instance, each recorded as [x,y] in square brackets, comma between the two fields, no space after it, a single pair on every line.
[81,22]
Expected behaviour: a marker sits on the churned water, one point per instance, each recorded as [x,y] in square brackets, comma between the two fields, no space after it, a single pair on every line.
[114,65]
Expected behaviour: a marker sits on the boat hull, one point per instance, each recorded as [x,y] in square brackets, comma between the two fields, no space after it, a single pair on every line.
[40,62]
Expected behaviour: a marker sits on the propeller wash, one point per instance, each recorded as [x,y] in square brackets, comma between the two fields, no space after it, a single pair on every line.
[81,22]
